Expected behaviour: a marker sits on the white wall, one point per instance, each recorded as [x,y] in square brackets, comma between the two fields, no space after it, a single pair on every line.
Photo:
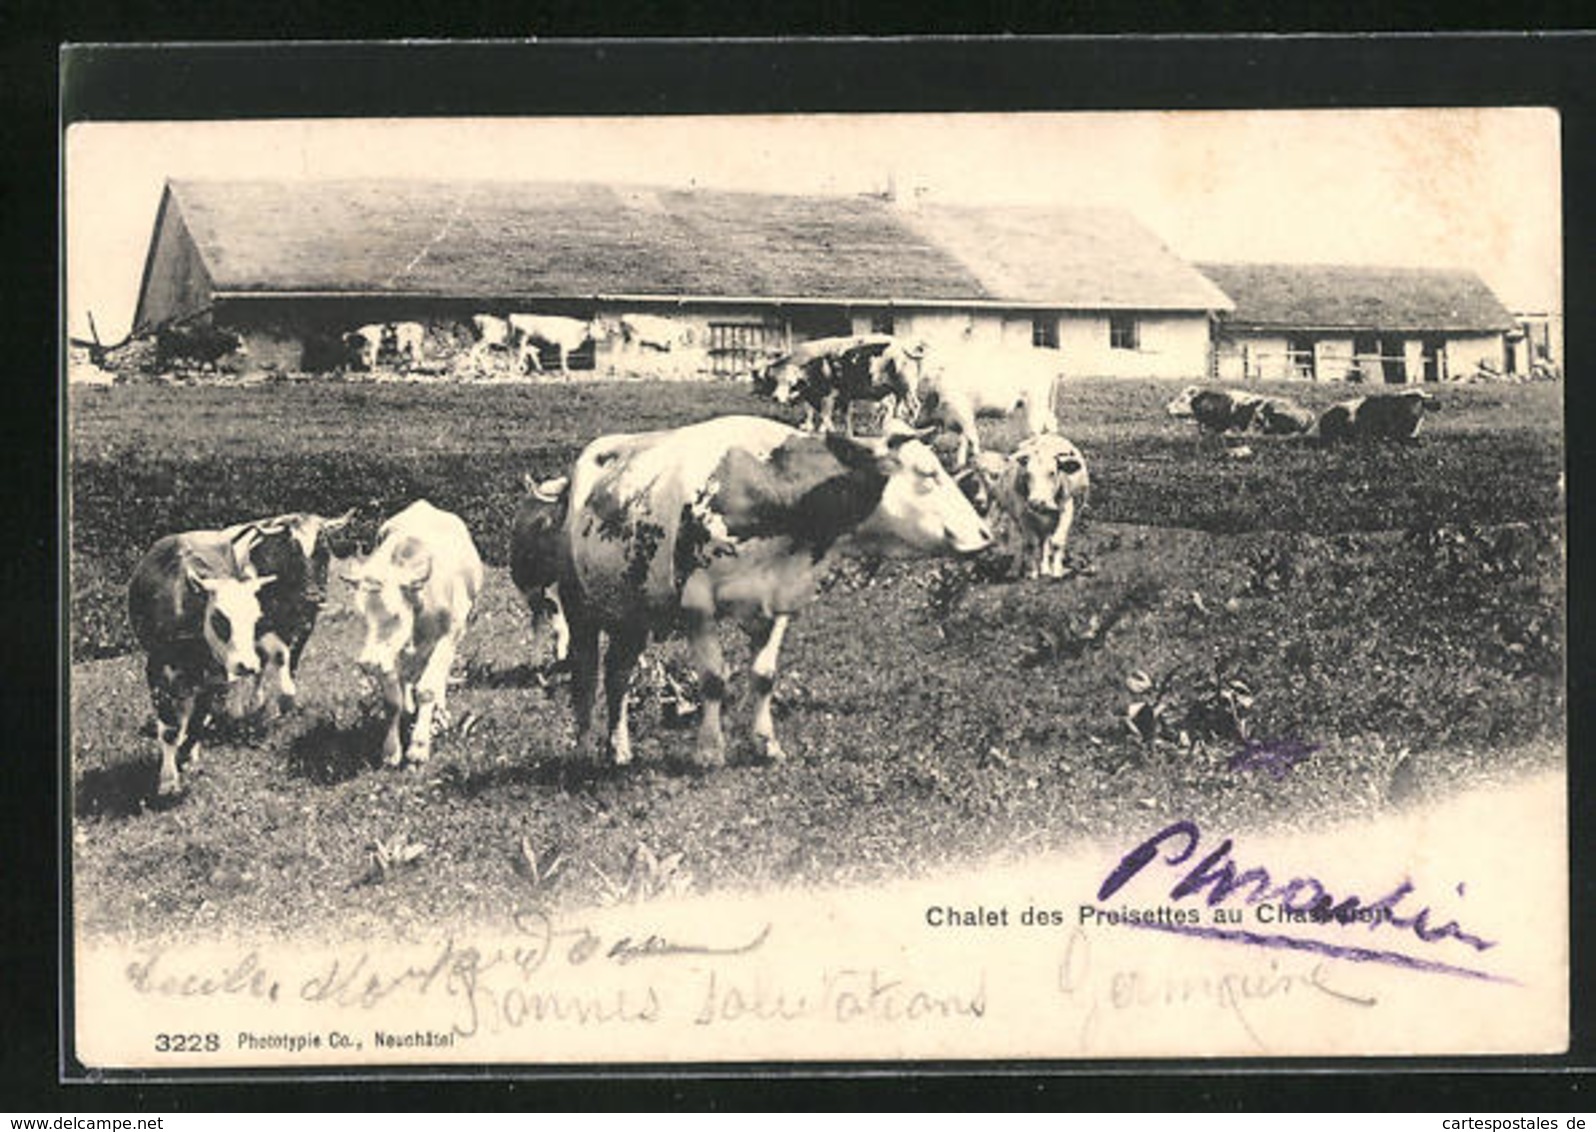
[1465,353]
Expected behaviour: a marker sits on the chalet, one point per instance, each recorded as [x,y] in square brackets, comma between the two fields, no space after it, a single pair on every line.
[289,266]
[1377,324]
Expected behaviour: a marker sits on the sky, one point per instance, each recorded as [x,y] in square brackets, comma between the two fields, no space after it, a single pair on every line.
[1476,188]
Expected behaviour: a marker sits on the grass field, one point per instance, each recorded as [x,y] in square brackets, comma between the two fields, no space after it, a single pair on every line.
[1395,613]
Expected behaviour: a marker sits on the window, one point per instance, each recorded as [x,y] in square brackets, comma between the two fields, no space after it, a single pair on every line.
[883,323]
[1299,357]
[1044,333]
[1123,332]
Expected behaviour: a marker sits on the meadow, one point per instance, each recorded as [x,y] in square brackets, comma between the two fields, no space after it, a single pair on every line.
[1389,617]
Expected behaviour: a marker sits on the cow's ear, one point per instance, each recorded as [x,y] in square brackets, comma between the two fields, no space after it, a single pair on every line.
[417,572]
[340,522]
[197,578]
[898,433]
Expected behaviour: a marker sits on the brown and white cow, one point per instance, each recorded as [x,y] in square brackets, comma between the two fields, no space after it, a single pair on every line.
[194,603]
[292,549]
[416,591]
[1040,488]
[533,332]
[831,373]
[1381,416]
[732,517]
[1219,411]
[538,555]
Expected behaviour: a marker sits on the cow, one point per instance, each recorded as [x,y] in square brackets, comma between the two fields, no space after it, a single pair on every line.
[416,591]
[196,345]
[194,604]
[734,516]
[537,555]
[646,331]
[364,345]
[493,333]
[403,342]
[1038,490]
[535,331]
[1220,411]
[959,383]
[409,341]
[1386,416]
[293,550]
[830,372]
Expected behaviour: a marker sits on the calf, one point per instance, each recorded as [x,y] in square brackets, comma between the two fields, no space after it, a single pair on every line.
[194,604]
[293,550]
[733,516]
[416,590]
[1384,416]
[1037,490]
[538,553]
[197,344]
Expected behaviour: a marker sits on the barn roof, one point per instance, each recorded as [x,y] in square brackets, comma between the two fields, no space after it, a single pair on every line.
[559,240]
[1279,296]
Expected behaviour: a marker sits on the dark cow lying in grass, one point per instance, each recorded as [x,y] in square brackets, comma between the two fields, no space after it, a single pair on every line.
[1384,416]
[735,516]
[1220,411]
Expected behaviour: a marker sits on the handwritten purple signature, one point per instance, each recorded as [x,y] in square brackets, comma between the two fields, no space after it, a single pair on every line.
[1273,756]
[1216,880]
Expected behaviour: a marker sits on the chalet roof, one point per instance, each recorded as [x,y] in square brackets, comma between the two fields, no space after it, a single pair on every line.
[1281,296]
[563,240]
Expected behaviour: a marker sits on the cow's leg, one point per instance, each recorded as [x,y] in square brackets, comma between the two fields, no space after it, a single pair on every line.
[626,645]
[393,696]
[558,624]
[1053,549]
[174,699]
[766,637]
[274,687]
[584,678]
[828,406]
[432,692]
[711,663]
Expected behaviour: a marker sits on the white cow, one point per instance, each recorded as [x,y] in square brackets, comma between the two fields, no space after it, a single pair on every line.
[416,591]
[959,383]
[493,333]
[533,331]
[650,331]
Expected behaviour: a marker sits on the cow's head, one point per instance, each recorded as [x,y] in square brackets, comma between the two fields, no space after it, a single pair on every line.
[1180,405]
[785,379]
[387,588]
[232,607]
[1044,472]
[921,509]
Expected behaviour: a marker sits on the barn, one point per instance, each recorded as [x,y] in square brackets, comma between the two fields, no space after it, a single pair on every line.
[1340,322]
[290,266]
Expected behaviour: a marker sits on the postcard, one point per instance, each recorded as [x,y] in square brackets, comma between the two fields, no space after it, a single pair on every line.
[552,592]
